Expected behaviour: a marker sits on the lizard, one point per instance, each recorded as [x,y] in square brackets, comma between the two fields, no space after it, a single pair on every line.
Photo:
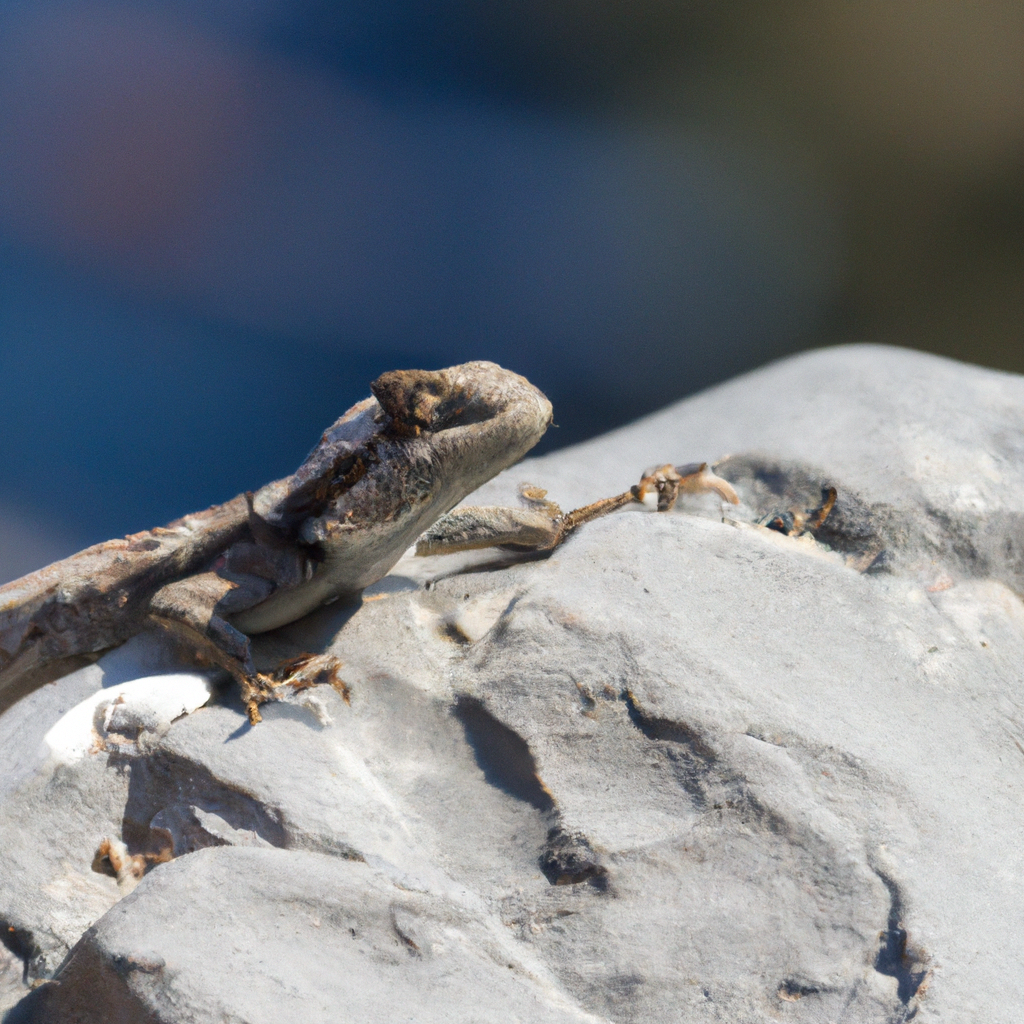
[389,471]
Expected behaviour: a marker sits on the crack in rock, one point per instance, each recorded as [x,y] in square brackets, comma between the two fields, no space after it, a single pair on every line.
[792,990]
[691,757]
[880,536]
[567,857]
[897,957]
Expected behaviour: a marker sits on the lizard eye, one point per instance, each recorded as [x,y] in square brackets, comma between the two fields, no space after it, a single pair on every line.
[425,400]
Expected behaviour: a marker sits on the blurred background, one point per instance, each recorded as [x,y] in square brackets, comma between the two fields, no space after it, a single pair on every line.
[219,219]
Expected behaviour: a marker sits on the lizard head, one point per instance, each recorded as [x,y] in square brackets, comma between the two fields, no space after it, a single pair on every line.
[479,418]
[384,472]
[394,463]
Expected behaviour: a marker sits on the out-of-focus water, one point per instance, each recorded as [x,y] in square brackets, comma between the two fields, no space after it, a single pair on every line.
[219,221]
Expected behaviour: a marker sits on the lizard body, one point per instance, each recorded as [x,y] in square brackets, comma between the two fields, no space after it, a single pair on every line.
[389,471]
[382,474]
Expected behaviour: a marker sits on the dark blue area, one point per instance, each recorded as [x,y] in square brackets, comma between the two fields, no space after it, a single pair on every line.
[619,266]
[117,417]
[121,413]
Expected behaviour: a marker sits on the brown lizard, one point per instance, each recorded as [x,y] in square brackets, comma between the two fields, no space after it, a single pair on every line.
[389,471]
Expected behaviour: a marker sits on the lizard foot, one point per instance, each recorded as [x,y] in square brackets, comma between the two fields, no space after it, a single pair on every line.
[294,675]
[669,481]
[112,858]
[795,522]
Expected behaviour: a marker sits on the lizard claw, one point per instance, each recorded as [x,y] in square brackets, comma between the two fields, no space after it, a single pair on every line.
[669,481]
[296,674]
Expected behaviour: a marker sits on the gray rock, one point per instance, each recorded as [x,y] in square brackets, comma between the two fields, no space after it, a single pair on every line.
[302,936]
[685,768]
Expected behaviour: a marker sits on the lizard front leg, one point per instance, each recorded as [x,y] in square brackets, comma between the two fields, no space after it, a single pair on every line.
[195,611]
[192,610]
[542,525]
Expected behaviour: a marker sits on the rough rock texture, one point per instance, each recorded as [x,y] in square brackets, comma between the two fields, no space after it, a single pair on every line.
[681,770]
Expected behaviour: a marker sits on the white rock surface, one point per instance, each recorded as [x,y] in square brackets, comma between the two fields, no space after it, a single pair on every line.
[680,770]
[126,713]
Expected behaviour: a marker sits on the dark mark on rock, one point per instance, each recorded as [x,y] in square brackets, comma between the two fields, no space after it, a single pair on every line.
[21,943]
[569,859]
[897,958]
[502,754]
